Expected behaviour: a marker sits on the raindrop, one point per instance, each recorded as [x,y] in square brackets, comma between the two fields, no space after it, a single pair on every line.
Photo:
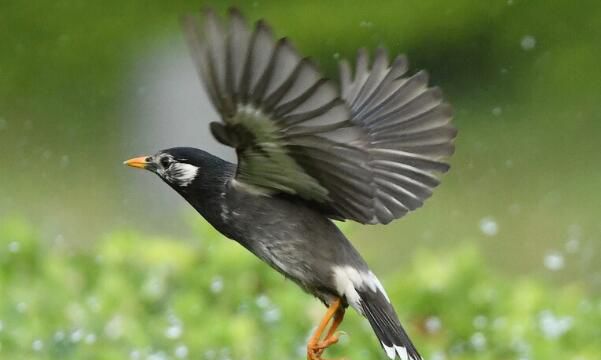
[217,285]
[499,323]
[272,315]
[489,226]
[174,331]
[37,345]
[14,247]
[433,324]
[181,351]
[76,335]
[553,326]
[480,322]
[65,161]
[59,336]
[135,355]
[366,24]
[497,111]
[157,356]
[478,341]
[554,261]
[21,307]
[528,42]
[438,355]
[90,338]
[262,301]
[114,328]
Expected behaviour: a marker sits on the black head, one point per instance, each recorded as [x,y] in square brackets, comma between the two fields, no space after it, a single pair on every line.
[181,167]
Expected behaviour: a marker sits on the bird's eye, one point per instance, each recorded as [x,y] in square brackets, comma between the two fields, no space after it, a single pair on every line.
[165,162]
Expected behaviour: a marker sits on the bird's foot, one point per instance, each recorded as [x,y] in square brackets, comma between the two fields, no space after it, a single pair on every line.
[314,351]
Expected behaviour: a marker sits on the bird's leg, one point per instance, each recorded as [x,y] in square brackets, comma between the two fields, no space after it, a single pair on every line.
[331,338]
[315,347]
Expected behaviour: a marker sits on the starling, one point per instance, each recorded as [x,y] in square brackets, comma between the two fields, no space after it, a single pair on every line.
[369,150]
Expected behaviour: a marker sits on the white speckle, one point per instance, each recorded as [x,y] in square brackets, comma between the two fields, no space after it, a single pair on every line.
[554,261]
[59,336]
[262,301]
[154,286]
[528,42]
[271,315]
[497,111]
[90,338]
[433,324]
[174,331]
[21,307]
[480,322]
[217,285]
[572,245]
[135,355]
[499,323]
[489,226]
[478,341]
[65,161]
[76,335]
[336,55]
[438,355]
[553,326]
[37,345]
[181,351]
[93,303]
[14,247]
[157,356]
[114,328]
[366,24]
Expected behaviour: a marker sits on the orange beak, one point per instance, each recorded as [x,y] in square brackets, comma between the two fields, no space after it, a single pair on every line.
[138,162]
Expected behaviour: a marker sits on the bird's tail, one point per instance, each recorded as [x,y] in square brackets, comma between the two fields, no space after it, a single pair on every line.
[383,319]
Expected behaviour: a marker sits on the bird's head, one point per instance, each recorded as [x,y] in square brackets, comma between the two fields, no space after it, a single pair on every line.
[178,167]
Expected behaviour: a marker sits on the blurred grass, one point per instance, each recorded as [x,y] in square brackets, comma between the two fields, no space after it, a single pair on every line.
[144,297]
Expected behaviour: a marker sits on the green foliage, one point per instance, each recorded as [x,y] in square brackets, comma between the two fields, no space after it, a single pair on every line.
[141,297]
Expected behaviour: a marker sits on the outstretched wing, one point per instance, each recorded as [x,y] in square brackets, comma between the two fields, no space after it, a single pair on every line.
[291,130]
[409,131]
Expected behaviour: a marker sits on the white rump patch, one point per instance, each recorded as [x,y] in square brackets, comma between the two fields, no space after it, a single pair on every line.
[183,174]
[348,280]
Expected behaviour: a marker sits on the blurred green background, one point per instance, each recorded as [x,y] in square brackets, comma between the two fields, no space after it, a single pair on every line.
[99,262]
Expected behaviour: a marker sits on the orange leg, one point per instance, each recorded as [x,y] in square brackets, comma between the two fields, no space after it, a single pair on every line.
[315,347]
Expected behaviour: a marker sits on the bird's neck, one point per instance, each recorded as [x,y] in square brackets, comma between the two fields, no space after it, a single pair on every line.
[207,192]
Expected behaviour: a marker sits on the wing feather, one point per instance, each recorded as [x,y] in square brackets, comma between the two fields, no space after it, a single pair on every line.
[409,129]
[369,152]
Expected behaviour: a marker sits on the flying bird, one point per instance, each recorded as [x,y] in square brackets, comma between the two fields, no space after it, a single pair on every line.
[369,149]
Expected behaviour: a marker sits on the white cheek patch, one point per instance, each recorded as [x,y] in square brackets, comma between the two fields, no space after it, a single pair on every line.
[182,174]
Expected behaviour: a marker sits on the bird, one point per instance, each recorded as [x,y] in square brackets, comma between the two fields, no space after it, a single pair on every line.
[310,151]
